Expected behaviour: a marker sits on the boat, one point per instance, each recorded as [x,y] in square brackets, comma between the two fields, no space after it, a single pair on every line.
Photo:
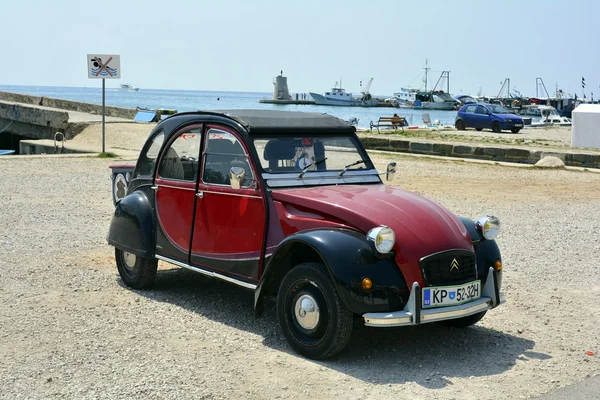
[549,116]
[406,96]
[465,99]
[434,99]
[128,87]
[339,97]
[6,152]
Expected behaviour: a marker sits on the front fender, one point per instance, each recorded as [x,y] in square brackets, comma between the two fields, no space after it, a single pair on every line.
[348,258]
[486,251]
[132,225]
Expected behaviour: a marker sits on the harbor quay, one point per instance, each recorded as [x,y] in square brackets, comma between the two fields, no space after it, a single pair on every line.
[38,119]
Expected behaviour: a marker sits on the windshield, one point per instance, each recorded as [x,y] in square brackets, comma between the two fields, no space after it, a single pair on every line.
[311,153]
[496,109]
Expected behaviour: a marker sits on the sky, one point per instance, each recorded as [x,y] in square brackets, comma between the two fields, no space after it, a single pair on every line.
[241,45]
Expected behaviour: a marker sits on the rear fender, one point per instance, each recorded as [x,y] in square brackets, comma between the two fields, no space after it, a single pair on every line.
[132,225]
[348,258]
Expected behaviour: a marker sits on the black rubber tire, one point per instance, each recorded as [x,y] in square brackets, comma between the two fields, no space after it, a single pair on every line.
[334,327]
[515,130]
[141,275]
[478,129]
[460,125]
[496,127]
[464,322]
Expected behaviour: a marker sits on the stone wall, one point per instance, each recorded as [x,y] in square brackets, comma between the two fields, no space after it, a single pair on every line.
[67,105]
[506,154]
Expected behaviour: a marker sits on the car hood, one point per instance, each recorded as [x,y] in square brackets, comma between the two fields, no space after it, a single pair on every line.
[508,116]
[422,226]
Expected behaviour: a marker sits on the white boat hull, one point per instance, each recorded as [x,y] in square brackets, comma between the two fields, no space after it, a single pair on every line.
[324,101]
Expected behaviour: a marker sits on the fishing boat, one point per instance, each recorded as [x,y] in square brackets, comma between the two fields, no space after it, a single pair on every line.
[6,152]
[406,97]
[339,97]
[435,99]
[128,87]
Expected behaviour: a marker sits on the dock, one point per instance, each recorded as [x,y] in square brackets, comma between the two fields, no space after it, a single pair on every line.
[278,101]
[380,103]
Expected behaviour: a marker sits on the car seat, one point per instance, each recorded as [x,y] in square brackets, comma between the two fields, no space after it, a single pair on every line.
[171,166]
[277,150]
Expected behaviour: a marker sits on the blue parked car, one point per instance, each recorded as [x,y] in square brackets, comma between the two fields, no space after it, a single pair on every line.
[487,116]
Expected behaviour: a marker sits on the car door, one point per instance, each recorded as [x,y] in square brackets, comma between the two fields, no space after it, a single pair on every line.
[469,117]
[176,180]
[229,225]
[484,117]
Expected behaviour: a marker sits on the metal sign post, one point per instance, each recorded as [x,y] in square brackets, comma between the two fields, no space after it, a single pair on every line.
[104,66]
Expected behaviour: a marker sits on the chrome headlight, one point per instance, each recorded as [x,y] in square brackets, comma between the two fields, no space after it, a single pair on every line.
[383,238]
[489,226]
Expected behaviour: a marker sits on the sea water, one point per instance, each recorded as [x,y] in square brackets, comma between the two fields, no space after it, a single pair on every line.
[190,100]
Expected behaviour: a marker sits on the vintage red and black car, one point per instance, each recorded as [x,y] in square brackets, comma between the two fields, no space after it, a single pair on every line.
[290,205]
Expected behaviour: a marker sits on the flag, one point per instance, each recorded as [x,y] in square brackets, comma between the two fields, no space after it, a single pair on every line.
[582,82]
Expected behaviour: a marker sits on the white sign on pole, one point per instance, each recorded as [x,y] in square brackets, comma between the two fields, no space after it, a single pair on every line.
[104,66]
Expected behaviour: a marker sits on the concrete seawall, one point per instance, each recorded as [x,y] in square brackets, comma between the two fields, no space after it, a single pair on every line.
[25,116]
[90,108]
[481,152]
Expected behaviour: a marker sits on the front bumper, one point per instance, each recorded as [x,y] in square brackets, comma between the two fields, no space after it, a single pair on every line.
[512,124]
[414,314]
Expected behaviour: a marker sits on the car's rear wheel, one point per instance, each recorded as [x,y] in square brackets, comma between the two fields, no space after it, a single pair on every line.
[478,129]
[515,130]
[136,272]
[496,127]
[464,322]
[312,317]
[460,125]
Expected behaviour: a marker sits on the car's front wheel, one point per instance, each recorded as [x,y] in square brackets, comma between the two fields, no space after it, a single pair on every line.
[137,272]
[464,322]
[312,317]
[496,127]
[515,130]
[460,125]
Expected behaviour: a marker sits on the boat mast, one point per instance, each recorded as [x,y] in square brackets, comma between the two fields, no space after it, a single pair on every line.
[426,71]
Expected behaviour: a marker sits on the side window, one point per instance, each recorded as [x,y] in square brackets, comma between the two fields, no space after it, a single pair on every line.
[224,151]
[180,159]
[482,110]
[470,109]
[148,159]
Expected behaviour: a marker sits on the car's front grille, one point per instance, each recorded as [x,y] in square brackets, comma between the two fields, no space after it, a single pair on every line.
[451,267]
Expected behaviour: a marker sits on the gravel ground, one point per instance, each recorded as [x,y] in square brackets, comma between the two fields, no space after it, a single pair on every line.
[70,329]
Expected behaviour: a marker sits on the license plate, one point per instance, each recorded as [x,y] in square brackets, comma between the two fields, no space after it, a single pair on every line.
[518,125]
[443,296]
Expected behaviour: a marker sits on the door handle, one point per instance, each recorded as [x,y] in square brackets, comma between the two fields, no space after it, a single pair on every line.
[155,188]
[200,194]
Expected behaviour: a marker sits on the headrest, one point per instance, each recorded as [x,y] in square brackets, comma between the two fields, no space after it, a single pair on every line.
[280,149]
[221,146]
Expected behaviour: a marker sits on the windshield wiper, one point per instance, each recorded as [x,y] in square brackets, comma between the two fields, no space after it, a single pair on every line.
[352,165]
[301,174]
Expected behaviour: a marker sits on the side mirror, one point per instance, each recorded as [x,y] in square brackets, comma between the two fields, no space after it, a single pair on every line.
[391,170]
[236,177]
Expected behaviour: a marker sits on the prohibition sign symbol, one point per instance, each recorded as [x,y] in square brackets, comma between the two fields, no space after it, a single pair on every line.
[103,66]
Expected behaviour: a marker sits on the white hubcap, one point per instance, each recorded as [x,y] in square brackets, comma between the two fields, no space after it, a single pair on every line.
[307,312]
[129,259]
